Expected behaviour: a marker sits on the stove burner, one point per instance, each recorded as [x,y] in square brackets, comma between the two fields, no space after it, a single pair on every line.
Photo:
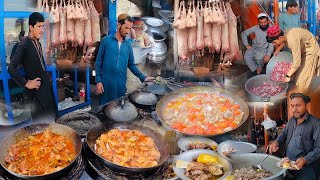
[74,173]
[97,170]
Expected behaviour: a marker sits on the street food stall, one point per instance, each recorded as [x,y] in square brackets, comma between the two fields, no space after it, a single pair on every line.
[196,120]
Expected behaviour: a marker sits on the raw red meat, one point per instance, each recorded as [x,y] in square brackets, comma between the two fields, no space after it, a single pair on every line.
[280,70]
[267,89]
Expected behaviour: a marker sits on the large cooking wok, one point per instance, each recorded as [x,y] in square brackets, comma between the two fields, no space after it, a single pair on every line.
[160,142]
[25,132]
[200,89]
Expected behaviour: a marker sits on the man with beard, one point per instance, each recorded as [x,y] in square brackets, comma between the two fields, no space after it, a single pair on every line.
[114,56]
[301,139]
[37,82]
[305,51]
[260,51]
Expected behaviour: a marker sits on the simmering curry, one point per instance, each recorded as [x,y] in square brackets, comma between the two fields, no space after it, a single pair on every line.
[40,154]
[203,113]
[130,148]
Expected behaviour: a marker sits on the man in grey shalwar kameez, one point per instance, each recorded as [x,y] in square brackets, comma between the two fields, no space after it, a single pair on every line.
[260,51]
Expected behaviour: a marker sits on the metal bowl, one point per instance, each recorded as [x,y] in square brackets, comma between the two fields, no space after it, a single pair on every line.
[282,56]
[240,147]
[25,132]
[184,143]
[154,22]
[259,80]
[247,160]
[190,155]
[96,131]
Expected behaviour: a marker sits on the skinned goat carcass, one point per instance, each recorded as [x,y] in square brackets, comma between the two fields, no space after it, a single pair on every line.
[200,40]
[79,24]
[191,16]
[71,24]
[55,35]
[207,13]
[46,9]
[207,36]
[54,12]
[225,46]
[87,30]
[234,53]
[95,26]
[216,37]
[182,40]
[180,20]
[192,28]
[63,24]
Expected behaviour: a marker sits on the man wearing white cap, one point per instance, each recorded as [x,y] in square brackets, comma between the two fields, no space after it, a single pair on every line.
[260,51]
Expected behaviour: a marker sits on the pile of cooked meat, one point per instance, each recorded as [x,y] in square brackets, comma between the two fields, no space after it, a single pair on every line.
[202,171]
[130,148]
[199,146]
[168,172]
[251,174]
[40,154]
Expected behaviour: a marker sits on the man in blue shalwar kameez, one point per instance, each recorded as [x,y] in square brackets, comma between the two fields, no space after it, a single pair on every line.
[115,55]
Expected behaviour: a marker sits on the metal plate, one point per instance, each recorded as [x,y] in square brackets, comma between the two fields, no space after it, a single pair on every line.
[184,143]
[249,159]
[240,147]
[282,56]
[190,155]
[201,89]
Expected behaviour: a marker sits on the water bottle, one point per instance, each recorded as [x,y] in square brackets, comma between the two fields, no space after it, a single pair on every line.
[82,94]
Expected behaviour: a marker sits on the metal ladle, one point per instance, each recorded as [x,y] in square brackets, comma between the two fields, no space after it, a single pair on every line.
[256,167]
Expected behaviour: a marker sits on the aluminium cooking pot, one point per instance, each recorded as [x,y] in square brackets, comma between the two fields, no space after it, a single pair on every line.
[25,132]
[120,110]
[162,145]
[143,97]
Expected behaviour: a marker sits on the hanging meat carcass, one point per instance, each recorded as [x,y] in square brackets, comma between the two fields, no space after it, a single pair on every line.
[87,30]
[200,41]
[207,13]
[225,46]
[217,14]
[46,9]
[79,23]
[95,26]
[71,15]
[234,53]
[192,28]
[63,24]
[182,33]
[181,17]
[54,19]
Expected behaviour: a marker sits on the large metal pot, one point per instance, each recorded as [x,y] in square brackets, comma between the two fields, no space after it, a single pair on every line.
[25,132]
[200,89]
[120,110]
[247,160]
[160,47]
[96,131]
[259,80]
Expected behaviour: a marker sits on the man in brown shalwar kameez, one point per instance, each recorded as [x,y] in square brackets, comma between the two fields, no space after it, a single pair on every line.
[305,51]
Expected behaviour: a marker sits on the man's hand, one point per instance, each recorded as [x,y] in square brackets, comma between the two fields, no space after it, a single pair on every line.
[148,79]
[248,47]
[286,79]
[33,84]
[266,58]
[89,56]
[100,89]
[274,147]
[300,162]
[276,53]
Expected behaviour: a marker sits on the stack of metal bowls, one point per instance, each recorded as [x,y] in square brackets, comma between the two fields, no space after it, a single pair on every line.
[166,16]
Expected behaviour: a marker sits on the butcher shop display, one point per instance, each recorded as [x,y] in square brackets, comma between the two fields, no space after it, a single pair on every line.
[203,114]
[279,72]
[72,22]
[130,148]
[210,25]
[267,89]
